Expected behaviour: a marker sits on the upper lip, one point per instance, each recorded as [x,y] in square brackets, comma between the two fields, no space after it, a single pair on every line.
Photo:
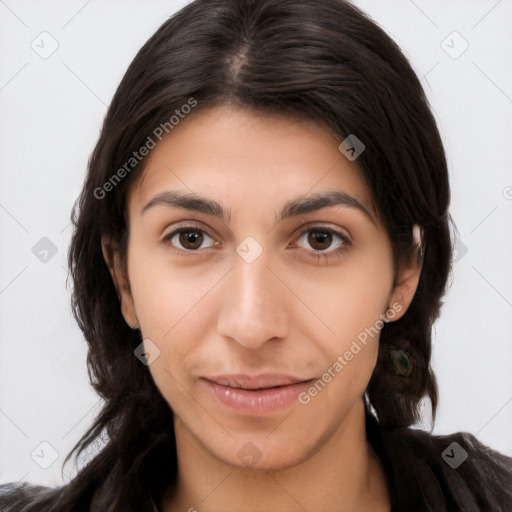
[263,381]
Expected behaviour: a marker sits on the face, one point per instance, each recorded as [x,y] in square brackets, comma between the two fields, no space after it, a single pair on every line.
[260,272]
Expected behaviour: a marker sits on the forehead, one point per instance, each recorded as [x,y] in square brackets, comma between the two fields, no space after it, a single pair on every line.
[249,159]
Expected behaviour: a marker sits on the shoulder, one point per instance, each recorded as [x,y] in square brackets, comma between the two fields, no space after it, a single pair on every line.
[444,473]
[16,497]
[26,497]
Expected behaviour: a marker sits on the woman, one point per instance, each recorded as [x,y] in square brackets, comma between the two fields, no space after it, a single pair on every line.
[260,250]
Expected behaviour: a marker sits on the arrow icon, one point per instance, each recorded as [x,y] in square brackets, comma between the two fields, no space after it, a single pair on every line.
[44,250]
[249,454]
[454,455]
[44,455]
[450,454]
[351,147]
[249,249]
[454,45]
[44,44]
[147,352]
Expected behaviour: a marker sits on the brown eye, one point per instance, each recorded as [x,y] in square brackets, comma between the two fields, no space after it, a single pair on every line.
[320,240]
[323,241]
[191,239]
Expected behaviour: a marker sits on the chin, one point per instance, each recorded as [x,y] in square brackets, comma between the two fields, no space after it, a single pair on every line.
[264,454]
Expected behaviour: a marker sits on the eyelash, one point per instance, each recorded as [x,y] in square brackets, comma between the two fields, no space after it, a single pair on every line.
[326,256]
[329,255]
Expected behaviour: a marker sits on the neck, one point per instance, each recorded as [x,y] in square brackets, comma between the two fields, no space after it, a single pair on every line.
[344,473]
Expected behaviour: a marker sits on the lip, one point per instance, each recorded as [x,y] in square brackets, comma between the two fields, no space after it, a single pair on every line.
[256,395]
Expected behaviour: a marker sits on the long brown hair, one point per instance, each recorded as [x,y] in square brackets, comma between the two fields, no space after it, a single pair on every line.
[321,60]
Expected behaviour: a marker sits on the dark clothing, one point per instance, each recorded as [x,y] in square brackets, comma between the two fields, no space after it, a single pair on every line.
[425,473]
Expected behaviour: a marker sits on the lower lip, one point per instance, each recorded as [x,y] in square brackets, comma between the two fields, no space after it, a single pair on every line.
[261,401]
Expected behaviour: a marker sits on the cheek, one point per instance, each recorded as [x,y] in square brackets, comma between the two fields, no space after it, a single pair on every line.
[176,312]
[167,298]
[348,300]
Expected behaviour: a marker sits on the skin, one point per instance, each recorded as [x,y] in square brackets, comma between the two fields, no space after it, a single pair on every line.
[209,311]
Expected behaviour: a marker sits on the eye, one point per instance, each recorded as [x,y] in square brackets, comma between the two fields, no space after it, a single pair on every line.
[189,238]
[324,241]
[320,238]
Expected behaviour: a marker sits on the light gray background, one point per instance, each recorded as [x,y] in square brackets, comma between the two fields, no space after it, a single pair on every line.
[51,111]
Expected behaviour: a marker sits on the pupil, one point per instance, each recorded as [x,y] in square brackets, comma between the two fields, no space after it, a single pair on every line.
[191,239]
[319,239]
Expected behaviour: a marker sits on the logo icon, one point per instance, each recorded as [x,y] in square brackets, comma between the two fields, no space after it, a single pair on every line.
[147,352]
[351,147]
[45,45]
[249,249]
[44,455]
[454,45]
[44,250]
[454,455]
[249,454]
[459,250]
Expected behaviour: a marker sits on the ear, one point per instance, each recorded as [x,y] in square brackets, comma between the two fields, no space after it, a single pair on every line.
[119,275]
[405,288]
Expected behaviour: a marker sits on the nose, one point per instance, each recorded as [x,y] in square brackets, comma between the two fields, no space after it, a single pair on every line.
[253,309]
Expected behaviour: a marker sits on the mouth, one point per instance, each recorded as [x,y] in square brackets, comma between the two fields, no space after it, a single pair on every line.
[256,395]
[256,382]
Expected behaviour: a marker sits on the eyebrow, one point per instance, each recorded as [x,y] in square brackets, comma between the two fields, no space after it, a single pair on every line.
[297,206]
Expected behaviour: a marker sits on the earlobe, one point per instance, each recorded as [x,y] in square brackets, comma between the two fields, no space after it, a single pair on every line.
[118,273]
